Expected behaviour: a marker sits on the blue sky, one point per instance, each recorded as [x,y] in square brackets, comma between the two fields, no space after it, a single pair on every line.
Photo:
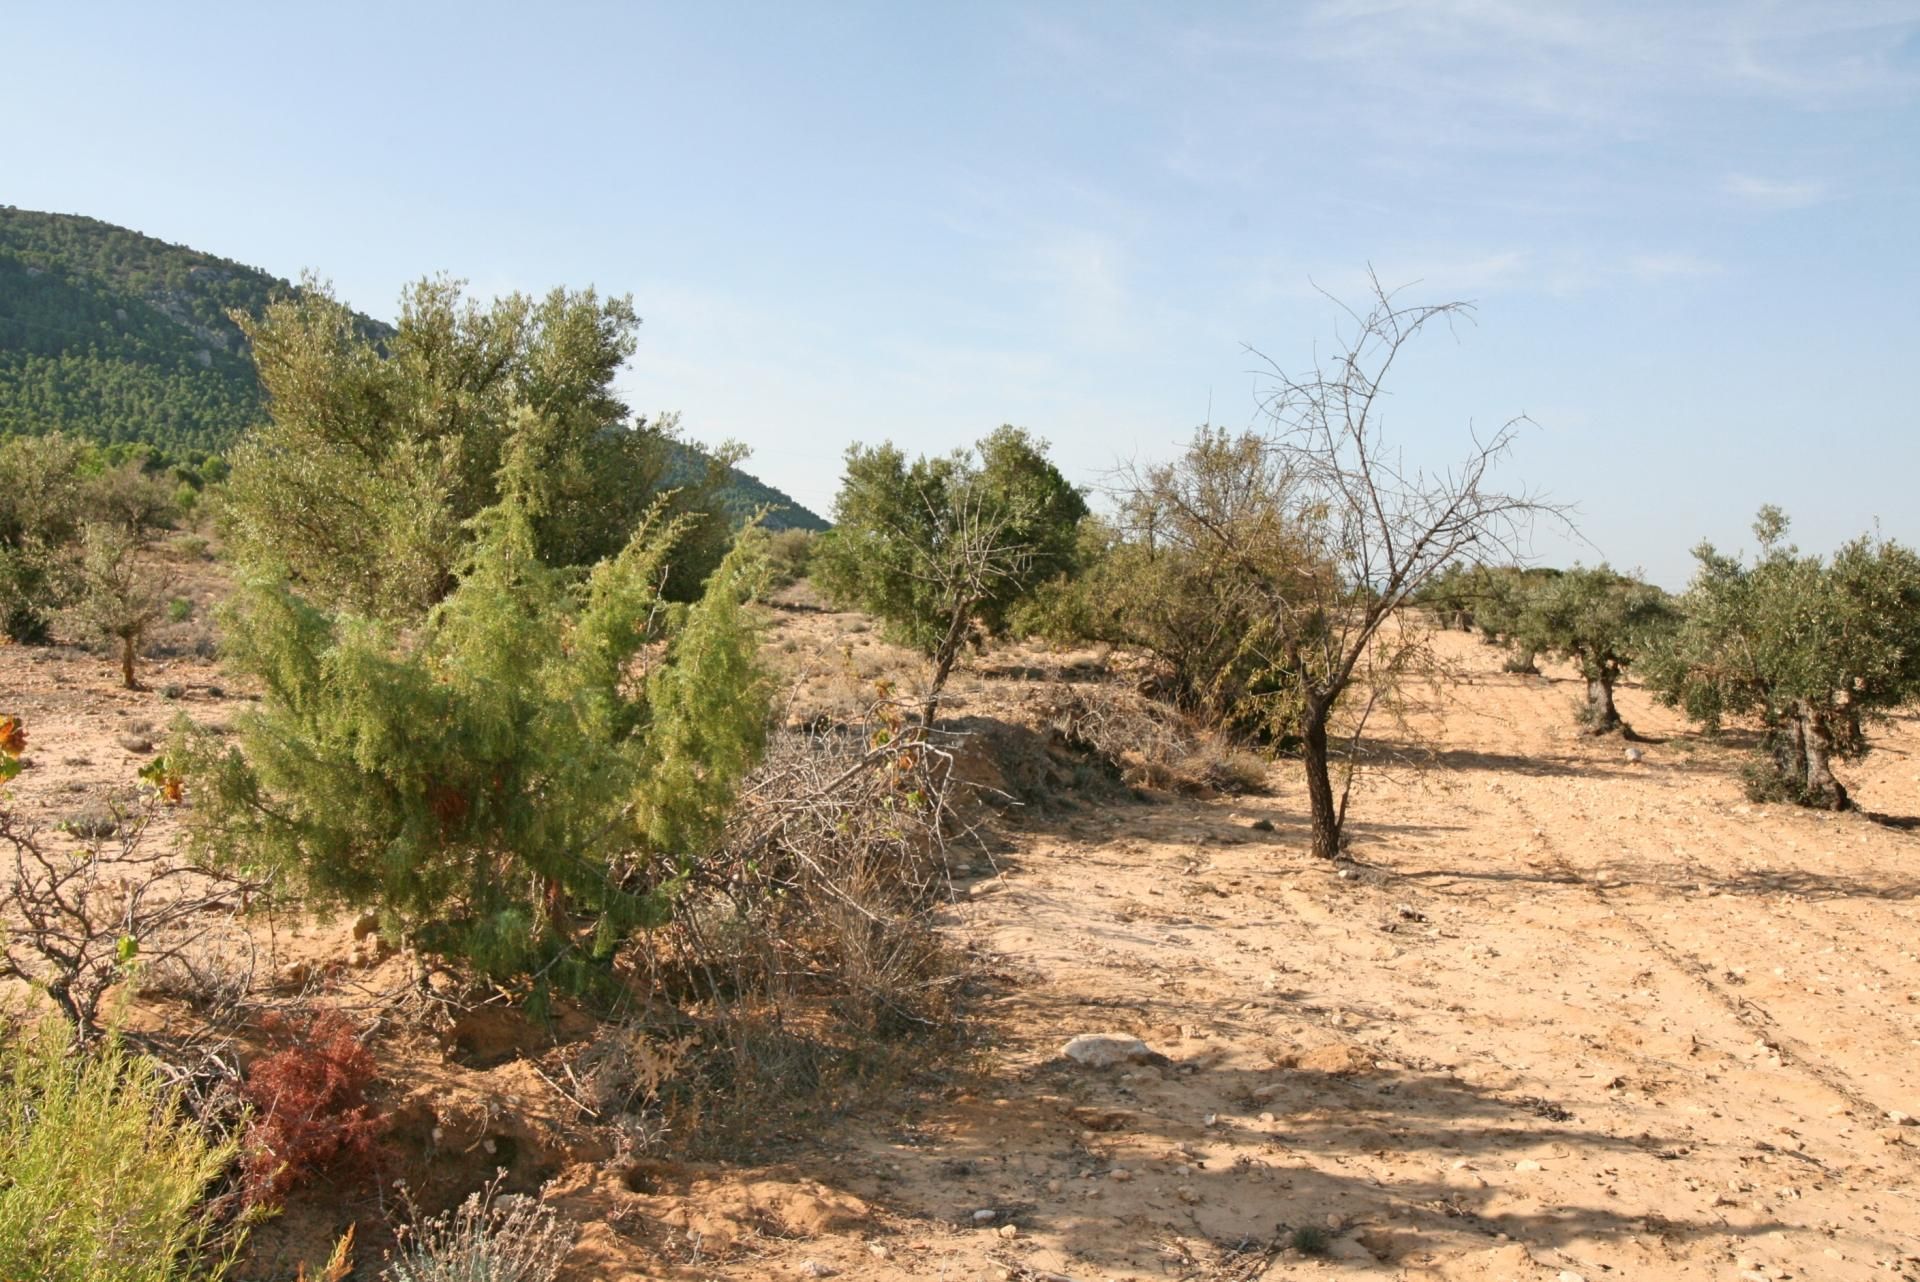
[1690,228]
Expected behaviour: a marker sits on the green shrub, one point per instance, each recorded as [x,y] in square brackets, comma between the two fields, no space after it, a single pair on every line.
[1817,648]
[102,1177]
[521,781]
[997,521]
[39,518]
[789,556]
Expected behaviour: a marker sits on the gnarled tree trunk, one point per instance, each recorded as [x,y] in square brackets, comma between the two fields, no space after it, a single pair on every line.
[1822,789]
[1602,717]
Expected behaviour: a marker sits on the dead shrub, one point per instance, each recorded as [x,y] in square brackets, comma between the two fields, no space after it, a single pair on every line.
[308,1097]
[804,959]
[76,924]
[1149,742]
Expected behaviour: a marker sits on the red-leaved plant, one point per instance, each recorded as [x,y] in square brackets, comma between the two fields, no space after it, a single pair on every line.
[309,1101]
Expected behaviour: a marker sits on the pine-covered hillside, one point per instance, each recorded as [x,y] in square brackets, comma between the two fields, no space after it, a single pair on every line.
[115,336]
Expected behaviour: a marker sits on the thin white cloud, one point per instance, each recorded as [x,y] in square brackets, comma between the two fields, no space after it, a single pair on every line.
[1775,193]
[1670,266]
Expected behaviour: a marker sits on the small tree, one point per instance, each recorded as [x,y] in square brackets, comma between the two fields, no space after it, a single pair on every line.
[1365,533]
[1198,553]
[938,546]
[121,595]
[1602,621]
[1816,649]
[520,782]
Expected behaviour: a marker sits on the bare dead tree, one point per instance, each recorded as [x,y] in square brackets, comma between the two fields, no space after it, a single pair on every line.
[1376,529]
[75,924]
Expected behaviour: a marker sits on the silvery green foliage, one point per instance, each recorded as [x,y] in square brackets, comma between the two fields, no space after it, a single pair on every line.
[1816,648]
[487,1238]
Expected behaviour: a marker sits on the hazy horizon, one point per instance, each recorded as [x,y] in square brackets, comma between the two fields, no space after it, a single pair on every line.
[1688,233]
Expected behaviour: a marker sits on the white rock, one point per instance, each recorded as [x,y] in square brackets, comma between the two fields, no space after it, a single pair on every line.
[1104,1050]
[984,1216]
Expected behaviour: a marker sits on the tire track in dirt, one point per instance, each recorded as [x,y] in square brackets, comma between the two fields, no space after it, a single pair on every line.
[1742,1009]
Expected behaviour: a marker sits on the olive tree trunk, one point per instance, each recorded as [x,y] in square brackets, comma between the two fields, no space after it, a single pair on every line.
[1602,716]
[1816,741]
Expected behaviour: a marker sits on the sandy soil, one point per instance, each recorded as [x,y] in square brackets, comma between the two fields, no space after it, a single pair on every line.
[1562,1015]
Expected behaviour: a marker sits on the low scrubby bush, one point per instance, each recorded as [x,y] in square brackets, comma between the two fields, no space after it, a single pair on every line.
[487,1238]
[102,1176]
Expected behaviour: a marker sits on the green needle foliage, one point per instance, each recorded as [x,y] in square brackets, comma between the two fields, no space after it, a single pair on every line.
[1602,621]
[521,781]
[1816,649]
[101,1175]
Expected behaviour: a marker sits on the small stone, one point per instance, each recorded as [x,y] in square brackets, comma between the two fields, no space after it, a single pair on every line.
[1186,1194]
[1527,1165]
[1568,1275]
[985,1216]
[879,1251]
[1008,1231]
[1054,1186]
[814,1269]
[1634,755]
[1105,1050]
[135,742]
[1120,1174]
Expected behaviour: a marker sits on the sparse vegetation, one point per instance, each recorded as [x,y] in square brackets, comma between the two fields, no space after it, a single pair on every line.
[490,1237]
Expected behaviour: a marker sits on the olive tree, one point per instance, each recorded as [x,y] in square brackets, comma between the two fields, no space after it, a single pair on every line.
[122,594]
[1816,648]
[1602,621]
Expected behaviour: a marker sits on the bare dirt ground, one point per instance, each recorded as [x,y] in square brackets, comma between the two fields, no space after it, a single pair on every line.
[1562,1015]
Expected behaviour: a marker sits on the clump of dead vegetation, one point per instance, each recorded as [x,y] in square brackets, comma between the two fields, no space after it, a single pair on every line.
[802,960]
[1149,742]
